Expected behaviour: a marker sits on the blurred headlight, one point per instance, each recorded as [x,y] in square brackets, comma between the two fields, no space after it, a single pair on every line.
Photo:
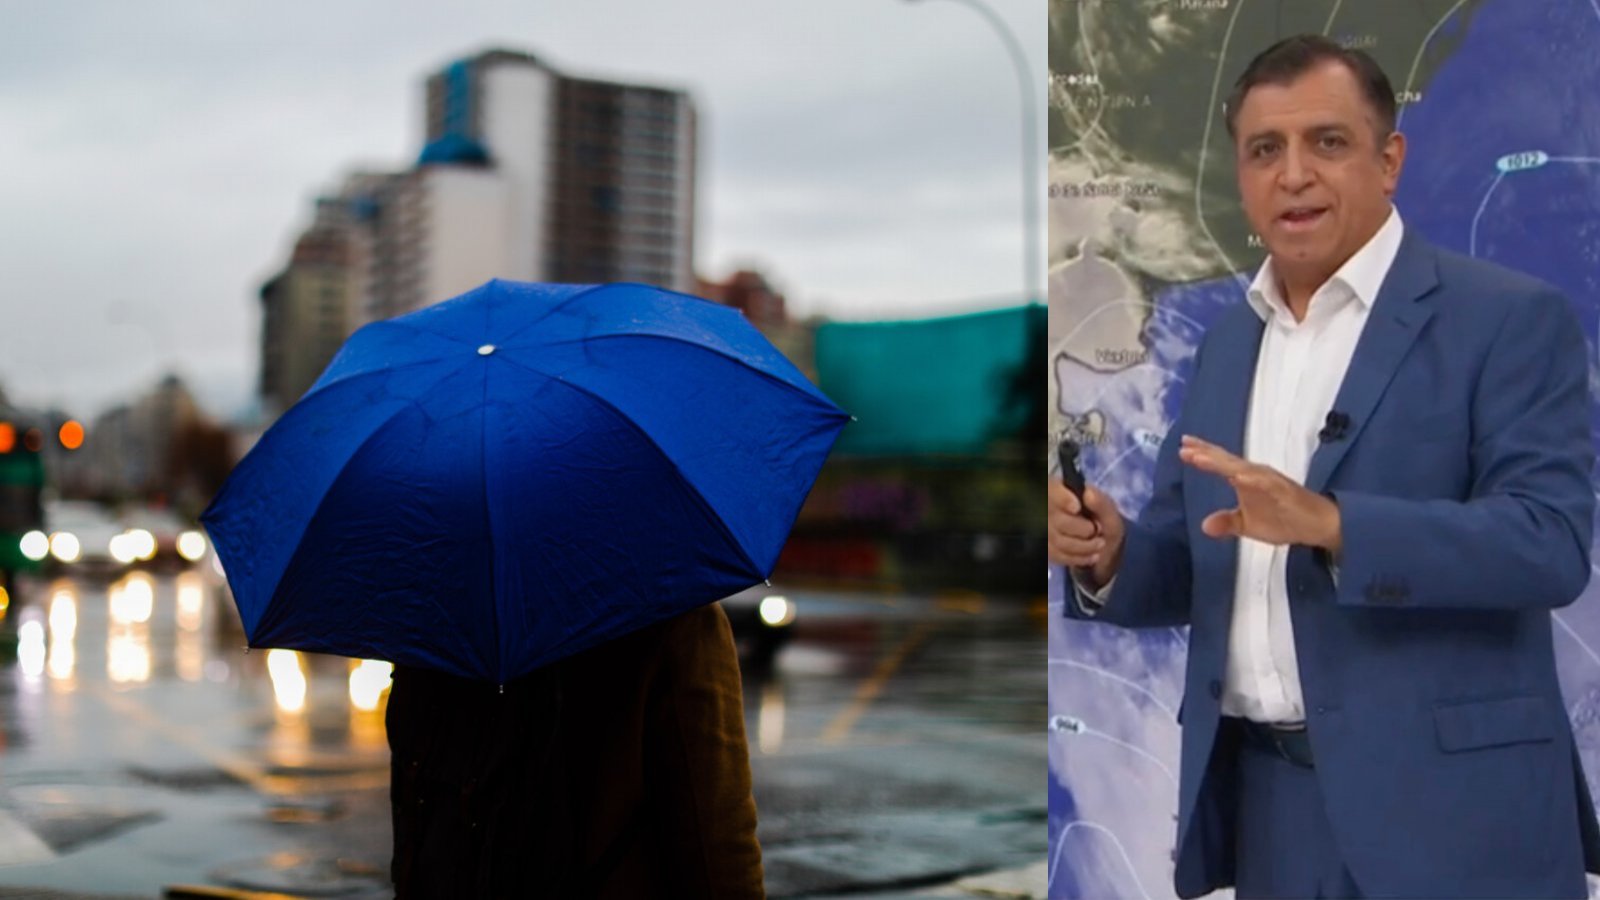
[192,545]
[288,680]
[368,681]
[122,549]
[777,611]
[142,543]
[64,546]
[36,545]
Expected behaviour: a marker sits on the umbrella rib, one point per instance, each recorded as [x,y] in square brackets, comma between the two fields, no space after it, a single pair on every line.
[384,368]
[384,423]
[550,312]
[488,531]
[713,351]
[401,323]
[409,403]
[694,490]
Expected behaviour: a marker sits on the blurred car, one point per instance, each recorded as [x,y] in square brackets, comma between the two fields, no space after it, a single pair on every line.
[162,538]
[763,621]
[78,536]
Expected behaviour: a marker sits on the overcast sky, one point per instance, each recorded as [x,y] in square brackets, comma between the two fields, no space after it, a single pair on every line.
[158,159]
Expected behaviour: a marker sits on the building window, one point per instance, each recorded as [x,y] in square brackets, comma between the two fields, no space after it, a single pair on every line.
[605,199]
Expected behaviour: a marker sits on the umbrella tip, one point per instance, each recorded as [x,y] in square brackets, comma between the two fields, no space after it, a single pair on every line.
[768,581]
[486,349]
[854,419]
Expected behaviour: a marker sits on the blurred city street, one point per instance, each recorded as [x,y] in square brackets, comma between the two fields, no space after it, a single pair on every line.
[846,218]
[896,744]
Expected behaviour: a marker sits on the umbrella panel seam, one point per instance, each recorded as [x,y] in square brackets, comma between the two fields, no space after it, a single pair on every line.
[711,350]
[488,515]
[410,403]
[385,369]
[552,311]
[299,538]
[694,489]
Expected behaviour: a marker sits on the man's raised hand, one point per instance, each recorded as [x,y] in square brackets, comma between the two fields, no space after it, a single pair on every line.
[1273,508]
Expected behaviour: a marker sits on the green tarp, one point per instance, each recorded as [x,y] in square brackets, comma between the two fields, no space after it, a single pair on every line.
[934,386]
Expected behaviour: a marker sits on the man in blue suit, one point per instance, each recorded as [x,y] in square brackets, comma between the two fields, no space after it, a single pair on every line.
[1377,491]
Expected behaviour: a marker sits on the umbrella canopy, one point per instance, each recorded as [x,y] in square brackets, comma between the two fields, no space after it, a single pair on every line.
[506,478]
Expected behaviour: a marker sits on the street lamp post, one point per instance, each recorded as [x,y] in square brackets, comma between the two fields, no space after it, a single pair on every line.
[1032,169]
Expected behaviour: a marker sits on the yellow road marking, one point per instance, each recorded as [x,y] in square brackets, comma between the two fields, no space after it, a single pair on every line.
[970,602]
[840,727]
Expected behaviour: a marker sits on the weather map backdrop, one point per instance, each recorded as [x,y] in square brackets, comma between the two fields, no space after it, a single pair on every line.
[1500,101]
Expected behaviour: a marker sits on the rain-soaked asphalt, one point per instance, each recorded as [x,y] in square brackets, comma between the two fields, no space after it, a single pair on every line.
[897,744]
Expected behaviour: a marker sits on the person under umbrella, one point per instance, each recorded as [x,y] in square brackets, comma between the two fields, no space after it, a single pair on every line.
[526,498]
[620,772]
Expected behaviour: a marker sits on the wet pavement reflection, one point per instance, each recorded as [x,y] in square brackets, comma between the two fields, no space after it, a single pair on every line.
[896,741]
[143,748]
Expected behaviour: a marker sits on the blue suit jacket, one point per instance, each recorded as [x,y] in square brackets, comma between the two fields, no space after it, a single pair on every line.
[1441,739]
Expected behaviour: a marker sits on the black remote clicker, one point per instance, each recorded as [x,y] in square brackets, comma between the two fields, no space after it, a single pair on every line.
[1071,472]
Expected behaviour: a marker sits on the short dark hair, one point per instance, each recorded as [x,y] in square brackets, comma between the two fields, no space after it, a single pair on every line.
[1292,57]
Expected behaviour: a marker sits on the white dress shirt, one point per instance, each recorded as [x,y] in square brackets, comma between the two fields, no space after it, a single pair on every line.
[1298,373]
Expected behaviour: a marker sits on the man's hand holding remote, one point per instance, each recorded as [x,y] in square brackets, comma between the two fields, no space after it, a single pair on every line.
[1086,534]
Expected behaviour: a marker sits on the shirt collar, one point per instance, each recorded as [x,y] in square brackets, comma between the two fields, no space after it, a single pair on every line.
[1362,273]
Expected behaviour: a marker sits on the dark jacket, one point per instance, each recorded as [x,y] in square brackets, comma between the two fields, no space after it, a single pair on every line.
[621,772]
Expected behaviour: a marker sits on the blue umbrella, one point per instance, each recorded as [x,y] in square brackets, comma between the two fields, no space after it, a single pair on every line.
[506,478]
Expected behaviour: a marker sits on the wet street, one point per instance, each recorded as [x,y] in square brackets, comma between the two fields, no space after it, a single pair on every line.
[897,743]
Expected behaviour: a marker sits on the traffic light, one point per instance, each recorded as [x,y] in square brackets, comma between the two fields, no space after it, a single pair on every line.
[8,437]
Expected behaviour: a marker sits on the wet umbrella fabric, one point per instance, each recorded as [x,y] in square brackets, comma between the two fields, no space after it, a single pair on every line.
[503,479]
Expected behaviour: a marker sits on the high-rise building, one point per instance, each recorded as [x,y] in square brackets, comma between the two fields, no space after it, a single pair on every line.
[525,174]
[438,230]
[600,176]
[624,198]
[309,308]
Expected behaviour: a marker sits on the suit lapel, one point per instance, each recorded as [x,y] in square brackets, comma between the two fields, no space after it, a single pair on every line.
[1394,324]
[1228,380]
[1233,360]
